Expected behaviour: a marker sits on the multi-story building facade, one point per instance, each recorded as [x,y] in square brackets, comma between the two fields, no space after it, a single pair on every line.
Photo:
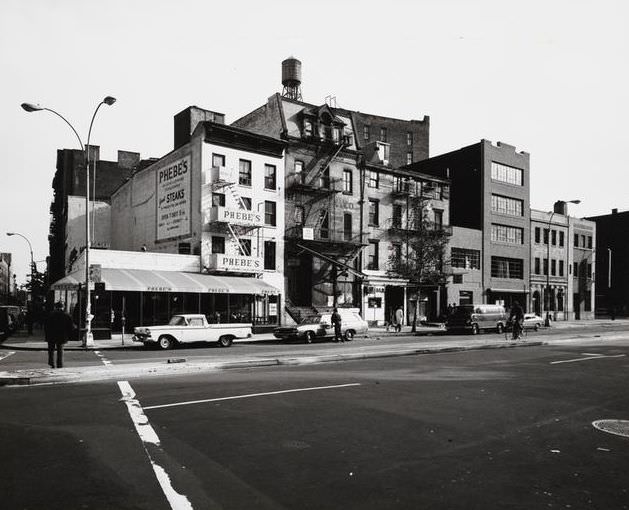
[490,194]
[612,272]
[582,260]
[5,278]
[343,192]
[67,211]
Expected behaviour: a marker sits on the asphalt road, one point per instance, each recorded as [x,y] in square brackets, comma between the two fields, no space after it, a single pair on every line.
[508,428]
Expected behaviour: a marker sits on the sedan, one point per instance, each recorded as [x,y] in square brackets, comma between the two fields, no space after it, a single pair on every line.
[532,321]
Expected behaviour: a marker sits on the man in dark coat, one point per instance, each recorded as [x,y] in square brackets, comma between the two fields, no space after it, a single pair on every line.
[336,322]
[58,330]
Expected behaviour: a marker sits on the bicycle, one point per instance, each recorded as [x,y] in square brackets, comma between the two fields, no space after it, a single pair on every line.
[521,334]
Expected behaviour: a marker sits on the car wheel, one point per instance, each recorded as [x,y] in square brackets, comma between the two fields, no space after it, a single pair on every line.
[475,329]
[500,328]
[309,337]
[165,342]
[225,341]
[349,335]
[536,327]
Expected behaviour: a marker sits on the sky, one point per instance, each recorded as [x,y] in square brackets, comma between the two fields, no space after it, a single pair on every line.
[549,77]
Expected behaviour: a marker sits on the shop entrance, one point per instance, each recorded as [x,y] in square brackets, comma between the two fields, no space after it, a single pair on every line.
[393,298]
[299,273]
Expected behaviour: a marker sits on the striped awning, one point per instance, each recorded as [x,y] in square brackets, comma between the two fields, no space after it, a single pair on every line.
[143,280]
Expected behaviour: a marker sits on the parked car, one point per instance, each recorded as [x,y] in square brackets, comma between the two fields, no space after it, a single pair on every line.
[320,327]
[188,328]
[532,321]
[477,318]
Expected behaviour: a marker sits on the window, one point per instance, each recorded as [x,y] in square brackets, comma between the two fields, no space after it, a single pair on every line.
[396,219]
[561,238]
[269,213]
[374,179]
[244,174]
[589,269]
[244,247]
[457,278]
[503,267]
[347,182]
[269,177]
[269,255]
[347,226]
[397,252]
[546,266]
[409,158]
[218,199]
[582,240]
[537,234]
[409,138]
[383,134]
[400,184]
[184,249]
[553,237]
[464,258]
[336,134]
[366,134]
[372,256]
[324,179]
[218,160]
[324,231]
[506,234]
[590,242]
[299,214]
[466,297]
[438,215]
[537,265]
[545,236]
[506,205]
[373,212]
[246,201]
[587,303]
[506,174]
[307,127]
[575,271]
[218,244]
[299,171]
[553,267]
[561,268]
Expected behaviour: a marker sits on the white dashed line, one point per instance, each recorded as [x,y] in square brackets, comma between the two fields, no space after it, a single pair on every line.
[149,439]
[105,361]
[4,355]
[250,395]
[591,357]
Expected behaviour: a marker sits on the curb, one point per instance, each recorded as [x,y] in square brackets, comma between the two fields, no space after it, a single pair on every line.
[177,368]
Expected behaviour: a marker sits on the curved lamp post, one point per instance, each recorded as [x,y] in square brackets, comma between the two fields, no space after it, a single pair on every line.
[30,247]
[547,297]
[88,339]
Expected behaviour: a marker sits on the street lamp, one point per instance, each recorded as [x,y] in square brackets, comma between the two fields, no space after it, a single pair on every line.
[547,297]
[30,247]
[88,339]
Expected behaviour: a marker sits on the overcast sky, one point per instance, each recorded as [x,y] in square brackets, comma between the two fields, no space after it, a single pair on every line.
[549,77]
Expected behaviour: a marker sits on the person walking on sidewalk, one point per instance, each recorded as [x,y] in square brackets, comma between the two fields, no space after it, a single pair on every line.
[58,329]
[336,322]
[399,319]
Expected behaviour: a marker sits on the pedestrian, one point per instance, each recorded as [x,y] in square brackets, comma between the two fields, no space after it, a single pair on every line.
[336,322]
[58,329]
[399,319]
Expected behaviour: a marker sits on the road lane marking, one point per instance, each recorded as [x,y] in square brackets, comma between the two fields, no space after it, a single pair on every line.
[4,355]
[105,361]
[149,439]
[250,395]
[597,356]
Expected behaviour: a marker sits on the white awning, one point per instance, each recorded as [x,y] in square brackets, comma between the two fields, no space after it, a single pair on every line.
[143,280]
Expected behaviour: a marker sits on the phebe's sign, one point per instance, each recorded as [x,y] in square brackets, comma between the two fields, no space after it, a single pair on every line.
[239,217]
[236,263]
[173,199]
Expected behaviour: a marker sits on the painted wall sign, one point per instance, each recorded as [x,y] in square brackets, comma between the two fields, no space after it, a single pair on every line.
[173,199]
[236,216]
[239,263]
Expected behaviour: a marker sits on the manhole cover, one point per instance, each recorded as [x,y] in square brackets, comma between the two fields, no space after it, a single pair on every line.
[617,427]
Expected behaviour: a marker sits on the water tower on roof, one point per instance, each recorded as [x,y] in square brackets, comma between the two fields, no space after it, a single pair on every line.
[291,78]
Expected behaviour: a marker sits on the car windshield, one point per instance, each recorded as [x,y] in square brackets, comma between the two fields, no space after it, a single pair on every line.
[463,309]
[177,320]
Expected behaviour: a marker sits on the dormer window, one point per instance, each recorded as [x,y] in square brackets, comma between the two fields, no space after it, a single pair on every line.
[336,135]
[307,127]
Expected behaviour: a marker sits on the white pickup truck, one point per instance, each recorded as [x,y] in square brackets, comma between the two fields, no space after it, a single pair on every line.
[187,328]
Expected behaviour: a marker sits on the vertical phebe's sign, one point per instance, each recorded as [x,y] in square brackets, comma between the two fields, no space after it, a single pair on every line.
[173,199]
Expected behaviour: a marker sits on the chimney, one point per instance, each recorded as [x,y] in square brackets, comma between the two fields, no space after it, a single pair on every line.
[186,121]
[127,159]
[614,211]
[560,207]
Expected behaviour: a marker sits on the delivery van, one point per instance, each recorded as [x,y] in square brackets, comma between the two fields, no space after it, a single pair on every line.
[477,318]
